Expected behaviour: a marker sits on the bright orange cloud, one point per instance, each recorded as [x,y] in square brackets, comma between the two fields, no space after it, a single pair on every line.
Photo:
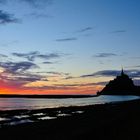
[11,88]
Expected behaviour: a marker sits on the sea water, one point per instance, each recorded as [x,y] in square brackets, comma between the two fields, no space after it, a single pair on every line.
[38,103]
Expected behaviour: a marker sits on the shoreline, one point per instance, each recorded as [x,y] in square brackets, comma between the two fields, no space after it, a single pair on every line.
[80,107]
[112,120]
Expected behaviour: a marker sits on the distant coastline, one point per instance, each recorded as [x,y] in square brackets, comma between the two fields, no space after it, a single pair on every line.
[44,96]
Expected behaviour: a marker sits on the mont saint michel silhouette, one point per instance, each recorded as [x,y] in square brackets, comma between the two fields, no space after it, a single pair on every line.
[121,85]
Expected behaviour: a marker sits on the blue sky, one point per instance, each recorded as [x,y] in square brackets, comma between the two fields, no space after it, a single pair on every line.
[78,37]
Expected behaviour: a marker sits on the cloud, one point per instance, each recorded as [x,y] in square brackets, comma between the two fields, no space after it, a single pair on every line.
[84,29]
[105,55]
[102,73]
[27,79]
[37,3]
[23,78]
[75,35]
[48,62]
[33,3]
[31,56]
[54,87]
[48,56]
[57,73]
[17,74]
[70,77]
[3,55]
[19,79]
[118,31]
[17,66]
[64,86]
[82,85]
[38,15]
[135,66]
[69,86]
[137,82]
[54,76]
[6,18]
[113,73]
[3,1]
[67,39]
[133,73]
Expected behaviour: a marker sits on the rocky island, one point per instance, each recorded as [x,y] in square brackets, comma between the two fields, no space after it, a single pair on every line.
[121,85]
[113,121]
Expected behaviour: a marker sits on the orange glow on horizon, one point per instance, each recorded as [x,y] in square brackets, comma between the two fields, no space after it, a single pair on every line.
[18,88]
[31,91]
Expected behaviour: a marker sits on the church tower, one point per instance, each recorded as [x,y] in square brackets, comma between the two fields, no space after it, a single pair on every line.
[122,72]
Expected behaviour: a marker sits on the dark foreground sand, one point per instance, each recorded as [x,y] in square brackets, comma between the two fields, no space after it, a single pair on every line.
[110,121]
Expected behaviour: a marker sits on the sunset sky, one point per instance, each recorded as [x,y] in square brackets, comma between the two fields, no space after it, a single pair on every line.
[67,46]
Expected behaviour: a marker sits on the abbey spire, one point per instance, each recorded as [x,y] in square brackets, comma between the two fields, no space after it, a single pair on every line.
[122,72]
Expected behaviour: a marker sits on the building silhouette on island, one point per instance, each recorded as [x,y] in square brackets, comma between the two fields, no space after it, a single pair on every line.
[121,85]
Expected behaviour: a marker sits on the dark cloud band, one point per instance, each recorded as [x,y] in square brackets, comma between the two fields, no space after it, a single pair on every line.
[17,66]
[6,18]
[112,73]
[105,55]
[31,56]
[66,39]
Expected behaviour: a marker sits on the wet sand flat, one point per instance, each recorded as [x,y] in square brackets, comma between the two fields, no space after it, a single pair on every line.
[109,121]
